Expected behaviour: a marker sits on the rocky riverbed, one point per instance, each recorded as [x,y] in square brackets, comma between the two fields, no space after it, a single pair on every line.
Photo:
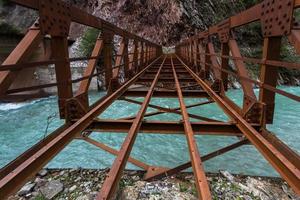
[83,184]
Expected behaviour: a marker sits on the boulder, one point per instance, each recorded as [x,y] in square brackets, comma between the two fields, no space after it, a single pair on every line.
[26,189]
[43,172]
[51,189]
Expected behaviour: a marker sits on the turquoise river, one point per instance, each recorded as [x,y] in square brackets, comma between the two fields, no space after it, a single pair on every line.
[23,124]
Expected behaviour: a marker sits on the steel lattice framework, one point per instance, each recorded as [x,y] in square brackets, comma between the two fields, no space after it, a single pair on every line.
[194,71]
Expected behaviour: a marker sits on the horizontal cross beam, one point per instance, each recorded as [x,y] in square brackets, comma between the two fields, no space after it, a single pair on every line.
[166,127]
[167,94]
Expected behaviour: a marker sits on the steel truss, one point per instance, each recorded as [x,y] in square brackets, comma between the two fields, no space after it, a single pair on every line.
[194,71]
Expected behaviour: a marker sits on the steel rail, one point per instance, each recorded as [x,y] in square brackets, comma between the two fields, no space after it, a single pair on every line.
[260,84]
[200,177]
[276,158]
[274,63]
[20,66]
[111,182]
[48,85]
[175,170]
[248,16]
[81,17]
[22,172]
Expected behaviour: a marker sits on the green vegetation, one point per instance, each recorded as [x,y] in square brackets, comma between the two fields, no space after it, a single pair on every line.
[40,197]
[88,41]
[183,187]
[4,2]
[125,182]
[9,30]
[249,3]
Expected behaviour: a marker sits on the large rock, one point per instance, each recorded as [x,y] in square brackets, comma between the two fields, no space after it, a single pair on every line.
[84,197]
[43,172]
[26,189]
[52,188]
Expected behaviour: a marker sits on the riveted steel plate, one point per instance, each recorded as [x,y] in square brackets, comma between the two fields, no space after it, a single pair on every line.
[276,17]
[224,31]
[55,17]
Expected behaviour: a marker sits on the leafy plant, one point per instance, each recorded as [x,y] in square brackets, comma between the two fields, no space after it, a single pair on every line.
[4,2]
[88,41]
[6,29]
[183,187]
[40,197]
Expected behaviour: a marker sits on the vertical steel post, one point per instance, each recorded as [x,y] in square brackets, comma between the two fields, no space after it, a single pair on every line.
[107,53]
[59,46]
[126,59]
[135,60]
[142,56]
[207,62]
[268,75]
[224,65]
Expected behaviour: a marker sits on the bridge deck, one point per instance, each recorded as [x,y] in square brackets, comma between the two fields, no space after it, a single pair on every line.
[149,85]
[195,71]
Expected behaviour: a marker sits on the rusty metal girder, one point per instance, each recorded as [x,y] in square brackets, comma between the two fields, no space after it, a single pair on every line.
[21,53]
[175,111]
[273,154]
[277,17]
[170,73]
[200,177]
[84,85]
[30,163]
[175,170]
[114,152]
[162,93]
[168,127]
[112,180]
[82,17]
[55,17]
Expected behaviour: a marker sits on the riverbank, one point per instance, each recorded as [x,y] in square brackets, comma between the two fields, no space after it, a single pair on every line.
[83,184]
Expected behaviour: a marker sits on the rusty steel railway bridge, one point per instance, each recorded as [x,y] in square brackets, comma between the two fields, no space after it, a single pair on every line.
[196,70]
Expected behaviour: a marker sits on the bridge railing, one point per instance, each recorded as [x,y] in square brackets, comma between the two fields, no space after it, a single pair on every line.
[51,31]
[277,20]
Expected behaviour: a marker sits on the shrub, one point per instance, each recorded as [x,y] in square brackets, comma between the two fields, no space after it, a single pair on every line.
[88,41]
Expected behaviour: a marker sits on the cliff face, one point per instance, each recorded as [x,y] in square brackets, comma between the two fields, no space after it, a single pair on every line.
[168,21]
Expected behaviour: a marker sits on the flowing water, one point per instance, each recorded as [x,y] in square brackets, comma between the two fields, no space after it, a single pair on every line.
[23,124]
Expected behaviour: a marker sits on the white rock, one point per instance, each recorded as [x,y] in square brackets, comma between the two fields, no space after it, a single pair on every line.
[78,179]
[72,188]
[227,175]
[51,189]
[62,173]
[26,189]
[85,197]
[43,172]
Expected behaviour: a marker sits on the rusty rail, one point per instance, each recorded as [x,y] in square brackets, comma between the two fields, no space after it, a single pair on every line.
[197,70]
